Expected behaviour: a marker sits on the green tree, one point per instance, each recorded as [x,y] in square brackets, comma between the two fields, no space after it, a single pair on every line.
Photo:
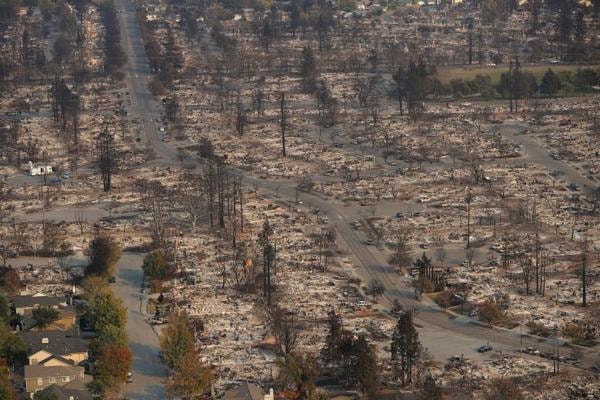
[550,83]
[44,316]
[176,339]
[405,348]
[108,334]
[93,286]
[365,367]
[104,254]
[12,347]
[190,379]
[565,23]
[105,309]
[7,391]
[330,352]
[155,265]
[4,308]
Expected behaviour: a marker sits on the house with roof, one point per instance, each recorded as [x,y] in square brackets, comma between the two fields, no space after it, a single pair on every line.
[55,348]
[67,393]
[39,377]
[67,318]
[24,305]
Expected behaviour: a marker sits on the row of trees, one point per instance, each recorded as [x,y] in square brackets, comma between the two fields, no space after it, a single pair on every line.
[108,317]
[114,55]
[13,350]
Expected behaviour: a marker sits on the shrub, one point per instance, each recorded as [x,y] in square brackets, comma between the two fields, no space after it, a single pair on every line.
[489,312]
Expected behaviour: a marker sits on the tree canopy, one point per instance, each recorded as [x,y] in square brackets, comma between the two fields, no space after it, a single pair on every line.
[45,316]
[104,254]
[176,339]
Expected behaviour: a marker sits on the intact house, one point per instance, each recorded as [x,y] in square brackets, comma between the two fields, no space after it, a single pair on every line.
[67,392]
[25,305]
[39,377]
[54,360]
[54,348]
[67,318]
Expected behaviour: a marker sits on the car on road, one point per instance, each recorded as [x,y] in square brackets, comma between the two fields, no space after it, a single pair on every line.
[485,348]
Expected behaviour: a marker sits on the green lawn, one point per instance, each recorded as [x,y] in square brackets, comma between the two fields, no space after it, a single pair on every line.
[445,75]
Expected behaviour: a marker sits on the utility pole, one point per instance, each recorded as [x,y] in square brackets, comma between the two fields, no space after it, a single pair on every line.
[510,84]
[282,122]
[468,199]
[584,251]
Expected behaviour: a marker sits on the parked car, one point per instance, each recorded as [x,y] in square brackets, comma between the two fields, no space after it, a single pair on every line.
[485,348]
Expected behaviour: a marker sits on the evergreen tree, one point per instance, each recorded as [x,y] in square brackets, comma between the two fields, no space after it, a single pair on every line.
[580,28]
[565,24]
[365,367]
[405,348]
[104,254]
[330,351]
[550,83]
[309,70]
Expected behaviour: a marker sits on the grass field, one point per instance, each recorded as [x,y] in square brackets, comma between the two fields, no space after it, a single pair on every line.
[445,75]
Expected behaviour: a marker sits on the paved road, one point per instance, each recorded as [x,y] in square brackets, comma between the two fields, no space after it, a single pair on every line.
[457,332]
[535,153]
[148,370]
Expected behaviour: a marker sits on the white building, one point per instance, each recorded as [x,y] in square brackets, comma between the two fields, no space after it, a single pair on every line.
[35,169]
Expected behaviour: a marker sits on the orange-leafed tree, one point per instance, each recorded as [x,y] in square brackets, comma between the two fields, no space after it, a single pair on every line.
[113,364]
